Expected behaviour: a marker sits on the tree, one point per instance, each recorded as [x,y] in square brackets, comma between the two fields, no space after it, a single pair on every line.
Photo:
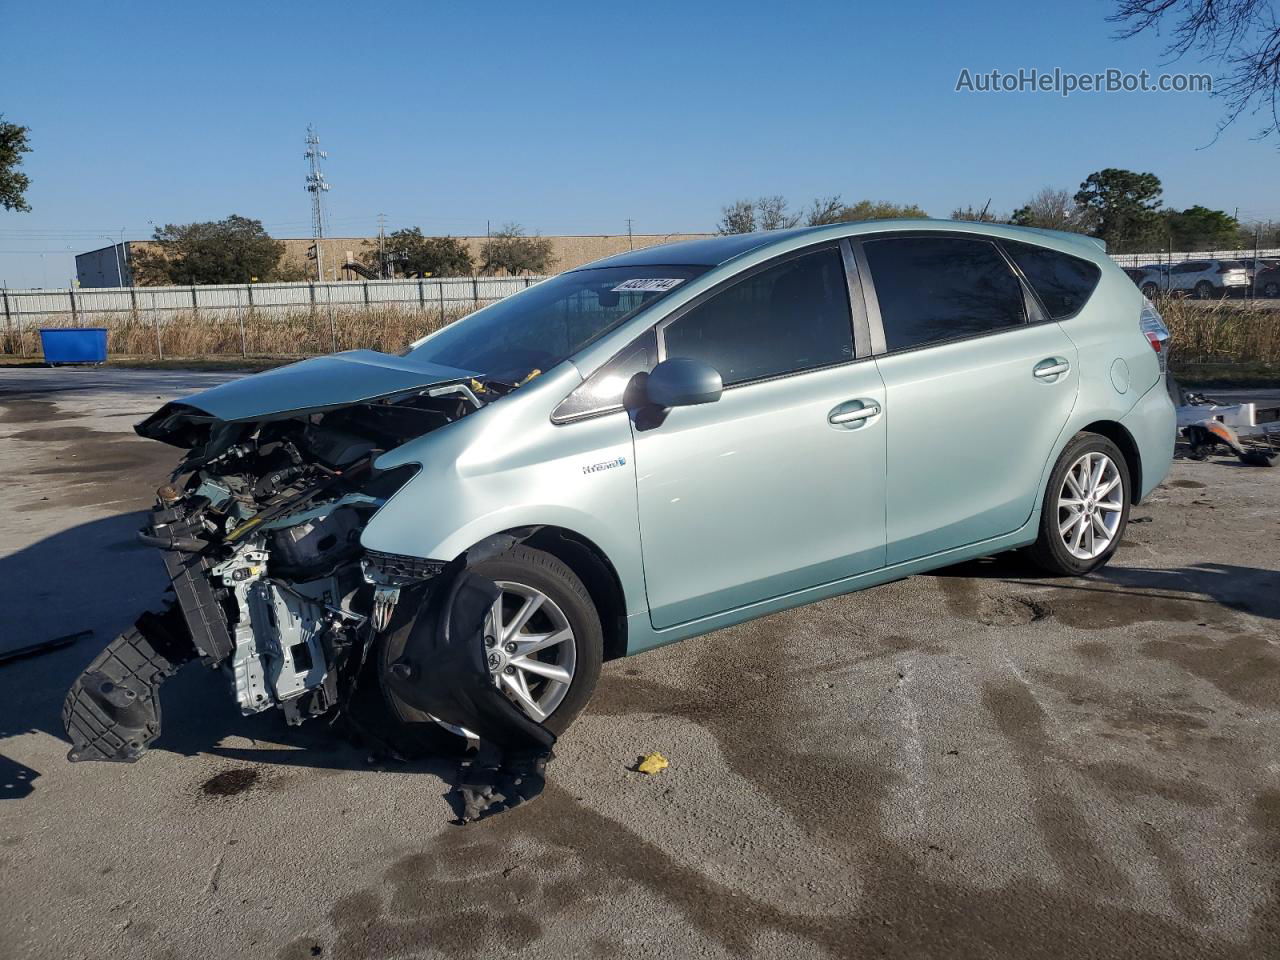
[1122,207]
[511,251]
[1199,228]
[748,216]
[13,184]
[411,254]
[825,210]
[738,217]
[1051,209]
[773,215]
[881,210]
[1242,36]
[234,250]
[981,214]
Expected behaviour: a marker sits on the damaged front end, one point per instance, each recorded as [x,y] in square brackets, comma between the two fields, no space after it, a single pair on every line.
[260,529]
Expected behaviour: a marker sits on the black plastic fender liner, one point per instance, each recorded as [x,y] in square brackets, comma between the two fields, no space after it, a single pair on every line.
[443,671]
[442,668]
[112,711]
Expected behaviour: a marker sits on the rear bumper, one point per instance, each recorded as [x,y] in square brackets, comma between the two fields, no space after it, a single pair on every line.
[1153,424]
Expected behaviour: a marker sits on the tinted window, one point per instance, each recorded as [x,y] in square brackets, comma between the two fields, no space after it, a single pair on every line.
[1062,282]
[940,288]
[602,391]
[791,317]
[1191,266]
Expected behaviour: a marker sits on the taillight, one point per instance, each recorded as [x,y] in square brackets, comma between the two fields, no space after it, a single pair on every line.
[1157,334]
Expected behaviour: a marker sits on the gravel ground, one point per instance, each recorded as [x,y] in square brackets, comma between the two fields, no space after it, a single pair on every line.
[976,763]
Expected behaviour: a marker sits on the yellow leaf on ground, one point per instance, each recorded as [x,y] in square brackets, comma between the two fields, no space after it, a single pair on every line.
[652,763]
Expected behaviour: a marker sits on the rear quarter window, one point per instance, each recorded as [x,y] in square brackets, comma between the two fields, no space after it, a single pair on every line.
[1062,282]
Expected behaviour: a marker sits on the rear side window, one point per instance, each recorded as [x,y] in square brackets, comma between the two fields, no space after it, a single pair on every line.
[1062,282]
[790,317]
[941,288]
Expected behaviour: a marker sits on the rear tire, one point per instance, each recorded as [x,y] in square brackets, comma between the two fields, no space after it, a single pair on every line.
[1085,510]
[1150,290]
[1204,290]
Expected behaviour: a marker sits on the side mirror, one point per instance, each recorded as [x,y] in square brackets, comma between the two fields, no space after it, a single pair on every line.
[683,382]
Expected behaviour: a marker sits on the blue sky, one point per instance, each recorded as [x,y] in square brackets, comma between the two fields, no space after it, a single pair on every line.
[571,117]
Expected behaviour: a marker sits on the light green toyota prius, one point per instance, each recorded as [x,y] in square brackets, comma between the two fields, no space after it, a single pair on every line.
[634,452]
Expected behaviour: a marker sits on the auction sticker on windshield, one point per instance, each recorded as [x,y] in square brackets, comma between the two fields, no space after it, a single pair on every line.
[646,286]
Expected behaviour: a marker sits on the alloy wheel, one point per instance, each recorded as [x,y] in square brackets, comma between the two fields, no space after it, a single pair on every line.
[1090,505]
[530,649]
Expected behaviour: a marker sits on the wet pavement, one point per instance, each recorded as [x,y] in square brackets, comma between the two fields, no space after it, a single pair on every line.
[977,763]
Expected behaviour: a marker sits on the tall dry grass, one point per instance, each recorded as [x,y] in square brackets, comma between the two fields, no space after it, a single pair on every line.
[1203,332]
[297,333]
[1222,331]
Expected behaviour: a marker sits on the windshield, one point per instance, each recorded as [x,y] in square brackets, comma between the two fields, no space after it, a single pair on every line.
[539,327]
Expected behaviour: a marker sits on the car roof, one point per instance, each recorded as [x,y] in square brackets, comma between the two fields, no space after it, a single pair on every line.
[714,251]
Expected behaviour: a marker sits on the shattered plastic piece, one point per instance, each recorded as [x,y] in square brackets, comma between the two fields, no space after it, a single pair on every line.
[652,763]
[112,712]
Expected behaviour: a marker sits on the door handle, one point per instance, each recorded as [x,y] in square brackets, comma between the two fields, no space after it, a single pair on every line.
[1051,369]
[847,414]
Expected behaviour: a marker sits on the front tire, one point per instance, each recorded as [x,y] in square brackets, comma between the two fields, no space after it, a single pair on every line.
[1204,290]
[560,603]
[1085,509]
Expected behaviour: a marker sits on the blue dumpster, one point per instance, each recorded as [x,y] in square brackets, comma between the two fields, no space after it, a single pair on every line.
[74,344]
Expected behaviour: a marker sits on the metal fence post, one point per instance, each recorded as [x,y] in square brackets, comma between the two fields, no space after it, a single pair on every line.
[440,290]
[22,333]
[71,292]
[422,297]
[155,322]
[8,322]
[366,294]
[244,343]
[195,304]
[333,323]
[475,291]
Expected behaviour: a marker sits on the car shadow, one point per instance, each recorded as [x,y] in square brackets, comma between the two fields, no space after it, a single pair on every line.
[1251,590]
[97,577]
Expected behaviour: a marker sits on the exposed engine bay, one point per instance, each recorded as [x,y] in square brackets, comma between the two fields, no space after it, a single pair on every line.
[260,532]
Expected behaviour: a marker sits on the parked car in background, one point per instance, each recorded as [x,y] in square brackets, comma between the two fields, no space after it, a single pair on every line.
[1208,278]
[1267,282]
[648,448]
[1151,279]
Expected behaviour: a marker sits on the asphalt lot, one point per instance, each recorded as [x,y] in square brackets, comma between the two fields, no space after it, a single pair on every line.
[974,764]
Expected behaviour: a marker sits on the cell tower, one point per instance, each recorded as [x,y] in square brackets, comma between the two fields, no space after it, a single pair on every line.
[317,187]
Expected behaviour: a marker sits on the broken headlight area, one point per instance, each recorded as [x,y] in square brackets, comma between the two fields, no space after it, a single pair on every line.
[260,532]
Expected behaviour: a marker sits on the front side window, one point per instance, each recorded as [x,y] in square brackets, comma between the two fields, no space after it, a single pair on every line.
[787,318]
[539,327]
[1062,282]
[942,288]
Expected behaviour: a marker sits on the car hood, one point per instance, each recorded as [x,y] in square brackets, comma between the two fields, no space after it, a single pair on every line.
[309,386]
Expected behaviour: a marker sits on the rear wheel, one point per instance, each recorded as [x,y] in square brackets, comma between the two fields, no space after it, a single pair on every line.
[1271,289]
[1150,290]
[1086,508]
[1204,290]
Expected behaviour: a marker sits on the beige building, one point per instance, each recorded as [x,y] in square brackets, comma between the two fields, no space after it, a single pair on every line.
[567,252]
[99,268]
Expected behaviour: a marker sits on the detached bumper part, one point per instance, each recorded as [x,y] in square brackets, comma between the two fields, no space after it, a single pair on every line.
[442,671]
[112,711]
